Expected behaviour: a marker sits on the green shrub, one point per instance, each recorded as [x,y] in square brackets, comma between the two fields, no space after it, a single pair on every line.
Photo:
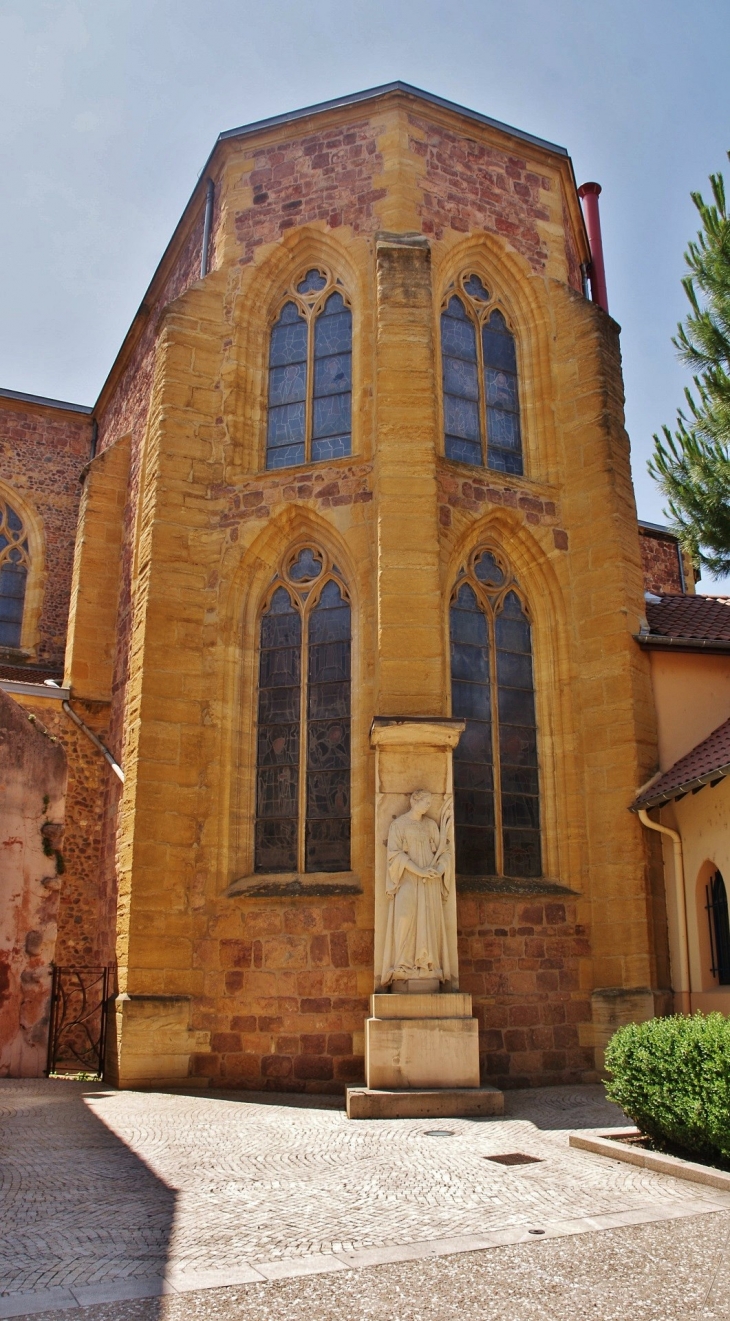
[672,1077]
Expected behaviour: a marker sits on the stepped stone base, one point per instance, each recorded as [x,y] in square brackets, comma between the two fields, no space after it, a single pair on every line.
[437,1103]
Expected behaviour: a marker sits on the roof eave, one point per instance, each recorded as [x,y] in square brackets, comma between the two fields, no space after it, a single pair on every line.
[691,786]
[40,401]
[659,642]
[385,89]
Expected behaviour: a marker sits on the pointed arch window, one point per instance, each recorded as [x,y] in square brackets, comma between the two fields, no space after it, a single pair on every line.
[480,382]
[717,912]
[14,566]
[303,764]
[496,784]
[310,374]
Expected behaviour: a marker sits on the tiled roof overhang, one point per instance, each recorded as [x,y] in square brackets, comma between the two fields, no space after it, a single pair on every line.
[708,763]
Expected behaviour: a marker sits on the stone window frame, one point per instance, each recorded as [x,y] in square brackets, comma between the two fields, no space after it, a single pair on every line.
[310,306]
[36,579]
[305,596]
[490,599]
[479,312]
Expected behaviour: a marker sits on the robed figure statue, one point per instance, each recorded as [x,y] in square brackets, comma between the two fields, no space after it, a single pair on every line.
[420,874]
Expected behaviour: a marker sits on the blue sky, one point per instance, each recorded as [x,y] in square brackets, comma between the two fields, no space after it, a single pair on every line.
[108,109]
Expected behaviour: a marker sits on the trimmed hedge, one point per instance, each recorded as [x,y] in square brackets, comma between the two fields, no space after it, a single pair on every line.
[672,1077]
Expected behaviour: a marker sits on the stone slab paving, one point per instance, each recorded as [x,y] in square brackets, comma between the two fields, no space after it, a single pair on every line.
[108,1195]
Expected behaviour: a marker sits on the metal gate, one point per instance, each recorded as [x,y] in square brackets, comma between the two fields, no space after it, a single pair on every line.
[77,1034]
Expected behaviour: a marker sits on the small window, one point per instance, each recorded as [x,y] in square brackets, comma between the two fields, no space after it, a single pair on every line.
[496,790]
[717,912]
[14,565]
[480,384]
[310,375]
[303,764]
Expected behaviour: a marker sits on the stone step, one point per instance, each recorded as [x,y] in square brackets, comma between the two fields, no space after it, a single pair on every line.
[429,1103]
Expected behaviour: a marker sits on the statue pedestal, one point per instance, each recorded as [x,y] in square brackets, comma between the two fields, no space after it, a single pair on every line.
[421,1041]
[422,1060]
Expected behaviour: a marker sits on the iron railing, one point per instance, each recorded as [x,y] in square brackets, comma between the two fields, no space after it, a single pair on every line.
[77,1032]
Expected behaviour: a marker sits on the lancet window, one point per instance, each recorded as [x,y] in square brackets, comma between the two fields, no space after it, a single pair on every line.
[496,783]
[14,566]
[480,383]
[310,374]
[717,912]
[303,770]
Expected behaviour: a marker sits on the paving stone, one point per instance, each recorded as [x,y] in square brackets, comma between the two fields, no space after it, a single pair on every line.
[103,1191]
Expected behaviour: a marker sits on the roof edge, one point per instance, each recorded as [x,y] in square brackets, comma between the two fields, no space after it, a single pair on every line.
[43,402]
[370,94]
[660,528]
[689,786]
[662,642]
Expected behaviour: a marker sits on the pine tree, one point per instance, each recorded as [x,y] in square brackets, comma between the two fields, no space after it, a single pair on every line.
[692,466]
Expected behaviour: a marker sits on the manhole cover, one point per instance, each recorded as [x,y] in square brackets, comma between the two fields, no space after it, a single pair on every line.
[536,1231]
[439,1133]
[514,1158]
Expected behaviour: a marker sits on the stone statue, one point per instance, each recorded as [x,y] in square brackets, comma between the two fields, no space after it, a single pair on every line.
[420,875]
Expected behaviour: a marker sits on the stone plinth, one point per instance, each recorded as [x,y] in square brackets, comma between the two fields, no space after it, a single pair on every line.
[440,1103]
[416,1043]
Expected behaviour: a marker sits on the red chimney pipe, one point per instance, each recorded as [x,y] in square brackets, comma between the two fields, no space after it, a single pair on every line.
[589,194]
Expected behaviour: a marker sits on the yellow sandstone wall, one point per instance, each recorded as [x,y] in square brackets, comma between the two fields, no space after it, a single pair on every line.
[271,991]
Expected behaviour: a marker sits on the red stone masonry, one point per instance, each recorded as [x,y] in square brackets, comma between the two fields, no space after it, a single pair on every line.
[323,176]
[87,910]
[125,412]
[660,562]
[42,453]
[519,958]
[258,497]
[281,1000]
[475,493]
[470,186]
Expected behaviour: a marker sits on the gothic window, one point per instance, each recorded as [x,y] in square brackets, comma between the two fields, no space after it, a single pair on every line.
[310,374]
[303,765]
[496,792]
[717,912]
[479,365]
[14,565]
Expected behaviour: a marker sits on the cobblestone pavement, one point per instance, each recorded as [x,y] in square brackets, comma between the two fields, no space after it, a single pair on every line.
[103,1191]
[671,1271]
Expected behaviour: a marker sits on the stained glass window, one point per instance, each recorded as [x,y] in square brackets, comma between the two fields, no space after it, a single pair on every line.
[310,375]
[303,770]
[496,790]
[14,565]
[480,385]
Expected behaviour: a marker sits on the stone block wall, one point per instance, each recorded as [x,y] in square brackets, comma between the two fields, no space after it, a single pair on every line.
[32,789]
[523,959]
[86,907]
[42,453]
[660,556]
[285,995]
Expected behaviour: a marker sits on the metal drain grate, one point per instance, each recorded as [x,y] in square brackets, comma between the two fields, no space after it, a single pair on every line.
[514,1158]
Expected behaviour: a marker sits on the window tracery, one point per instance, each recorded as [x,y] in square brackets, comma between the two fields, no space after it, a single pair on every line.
[480,384]
[310,374]
[303,762]
[14,567]
[496,788]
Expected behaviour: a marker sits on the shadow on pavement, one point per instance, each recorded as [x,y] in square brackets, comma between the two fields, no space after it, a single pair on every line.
[78,1209]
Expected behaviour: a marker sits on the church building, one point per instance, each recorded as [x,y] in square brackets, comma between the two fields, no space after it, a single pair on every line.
[351,520]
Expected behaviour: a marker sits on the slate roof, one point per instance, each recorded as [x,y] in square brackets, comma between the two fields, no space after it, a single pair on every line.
[697,622]
[705,764]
